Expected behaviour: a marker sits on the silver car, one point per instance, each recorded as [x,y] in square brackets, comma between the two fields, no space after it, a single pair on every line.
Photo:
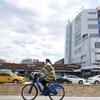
[94,79]
[75,79]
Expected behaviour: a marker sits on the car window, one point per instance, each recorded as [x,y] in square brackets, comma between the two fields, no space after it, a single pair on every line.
[74,76]
[13,74]
[4,74]
[1,74]
[68,76]
[98,76]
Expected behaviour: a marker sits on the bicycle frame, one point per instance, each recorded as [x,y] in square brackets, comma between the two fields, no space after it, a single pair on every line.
[51,87]
[35,87]
[35,82]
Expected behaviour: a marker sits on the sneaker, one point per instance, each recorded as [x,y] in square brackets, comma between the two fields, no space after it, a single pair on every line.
[41,93]
[46,94]
[56,92]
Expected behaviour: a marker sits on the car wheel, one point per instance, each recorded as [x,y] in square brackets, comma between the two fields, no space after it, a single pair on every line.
[80,82]
[15,81]
[96,82]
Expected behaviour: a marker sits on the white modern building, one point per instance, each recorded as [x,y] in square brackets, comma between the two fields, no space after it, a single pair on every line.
[82,45]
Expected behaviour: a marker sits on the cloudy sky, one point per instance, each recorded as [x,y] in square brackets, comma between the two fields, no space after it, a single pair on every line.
[36,28]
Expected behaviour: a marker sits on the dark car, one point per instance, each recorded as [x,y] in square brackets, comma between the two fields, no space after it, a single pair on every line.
[60,79]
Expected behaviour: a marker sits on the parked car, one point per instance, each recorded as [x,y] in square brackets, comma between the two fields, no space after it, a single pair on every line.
[9,77]
[94,79]
[60,79]
[75,79]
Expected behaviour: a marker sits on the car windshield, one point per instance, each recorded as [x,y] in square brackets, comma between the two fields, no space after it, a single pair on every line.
[58,76]
[71,76]
[13,74]
[74,76]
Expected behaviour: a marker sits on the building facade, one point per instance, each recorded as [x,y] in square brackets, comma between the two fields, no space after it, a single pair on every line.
[82,45]
[61,61]
[2,61]
[25,69]
[29,61]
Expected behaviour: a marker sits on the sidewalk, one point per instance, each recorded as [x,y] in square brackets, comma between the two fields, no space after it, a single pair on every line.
[18,97]
[71,90]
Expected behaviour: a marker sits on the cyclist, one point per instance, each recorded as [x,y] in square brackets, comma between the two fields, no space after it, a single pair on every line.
[47,73]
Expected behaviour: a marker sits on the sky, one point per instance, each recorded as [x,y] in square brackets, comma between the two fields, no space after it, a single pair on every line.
[36,28]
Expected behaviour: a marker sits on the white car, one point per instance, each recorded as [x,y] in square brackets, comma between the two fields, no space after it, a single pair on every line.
[94,79]
[75,79]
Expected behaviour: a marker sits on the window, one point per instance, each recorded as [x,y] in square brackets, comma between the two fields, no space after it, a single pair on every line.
[92,19]
[1,74]
[96,63]
[92,26]
[97,60]
[75,52]
[77,42]
[77,39]
[84,62]
[95,35]
[77,36]
[99,19]
[97,44]
[79,49]
[73,76]
[91,12]
[97,53]
[68,76]
[4,74]
[98,13]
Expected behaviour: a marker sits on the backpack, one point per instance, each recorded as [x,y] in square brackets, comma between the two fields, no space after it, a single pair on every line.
[30,77]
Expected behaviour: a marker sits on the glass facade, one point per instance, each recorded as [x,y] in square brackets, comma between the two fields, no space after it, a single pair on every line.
[97,44]
[92,26]
[99,21]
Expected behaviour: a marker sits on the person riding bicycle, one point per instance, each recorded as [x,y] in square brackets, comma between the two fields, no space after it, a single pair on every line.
[47,73]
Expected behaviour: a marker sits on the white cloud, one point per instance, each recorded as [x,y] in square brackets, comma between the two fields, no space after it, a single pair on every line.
[36,28]
[91,4]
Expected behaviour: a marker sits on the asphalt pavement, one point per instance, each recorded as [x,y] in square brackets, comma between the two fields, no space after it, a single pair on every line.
[18,97]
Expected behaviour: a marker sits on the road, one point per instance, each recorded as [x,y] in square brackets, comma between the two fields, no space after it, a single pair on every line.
[18,97]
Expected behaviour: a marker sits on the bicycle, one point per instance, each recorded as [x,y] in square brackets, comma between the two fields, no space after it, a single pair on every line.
[30,91]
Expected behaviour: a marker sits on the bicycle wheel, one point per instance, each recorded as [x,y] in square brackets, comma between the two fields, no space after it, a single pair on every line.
[57,92]
[28,94]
